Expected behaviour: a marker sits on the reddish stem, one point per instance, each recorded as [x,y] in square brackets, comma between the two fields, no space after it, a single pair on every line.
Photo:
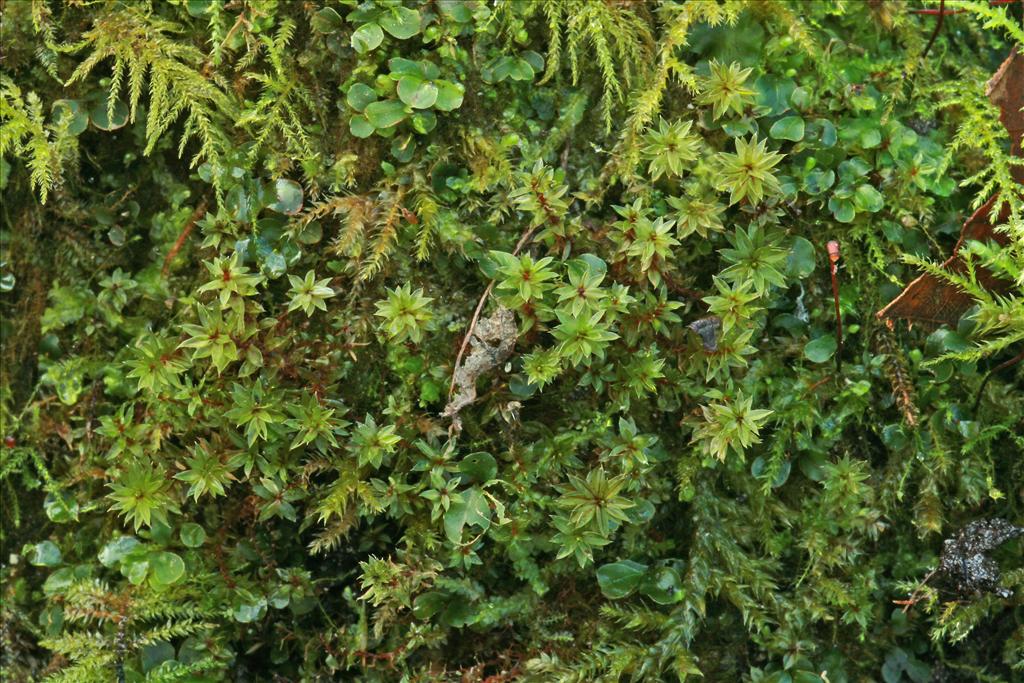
[833,262]
[196,215]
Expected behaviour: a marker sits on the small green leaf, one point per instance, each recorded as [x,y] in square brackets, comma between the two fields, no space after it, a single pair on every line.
[401,22]
[424,121]
[817,181]
[250,612]
[288,195]
[428,604]
[842,209]
[135,568]
[821,349]
[327,20]
[61,508]
[416,92]
[801,258]
[385,114]
[100,118]
[867,198]
[359,95]
[449,95]
[116,550]
[167,567]
[75,112]
[456,10]
[663,586]
[480,467]
[360,127]
[473,509]
[45,554]
[367,37]
[788,128]
[399,66]
[870,138]
[192,535]
[619,579]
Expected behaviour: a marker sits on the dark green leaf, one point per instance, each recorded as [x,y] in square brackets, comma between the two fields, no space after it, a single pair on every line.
[619,579]
[821,349]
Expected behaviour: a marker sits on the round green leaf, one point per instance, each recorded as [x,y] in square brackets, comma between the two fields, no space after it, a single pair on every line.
[73,110]
[45,554]
[424,121]
[817,181]
[360,127]
[359,95]
[59,581]
[401,22]
[801,258]
[867,198]
[449,95]
[100,118]
[456,10]
[327,20]
[116,550]
[248,613]
[288,195]
[192,535]
[428,604]
[61,508]
[619,579]
[821,349]
[520,70]
[367,37]
[416,92]
[385,114]
[403,148]
[870,138]
[135,568]
[788,128]
[480,467]
[842,209]
[167,567]
[399,66]
[663,586]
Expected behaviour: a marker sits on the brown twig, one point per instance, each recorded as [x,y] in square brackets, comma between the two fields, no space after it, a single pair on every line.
[523,239]
[914,599]
[196,215]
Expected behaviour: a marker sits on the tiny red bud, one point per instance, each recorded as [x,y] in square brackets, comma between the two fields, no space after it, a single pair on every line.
[10,441]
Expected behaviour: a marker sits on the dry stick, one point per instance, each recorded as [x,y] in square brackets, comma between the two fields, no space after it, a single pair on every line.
[913,599]
[196,215]
[833,261]
[523,239]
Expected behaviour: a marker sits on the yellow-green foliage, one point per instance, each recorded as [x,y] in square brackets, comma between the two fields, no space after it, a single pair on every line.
[457,340]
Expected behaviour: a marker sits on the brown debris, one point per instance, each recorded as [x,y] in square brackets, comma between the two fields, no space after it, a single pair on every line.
[929,299]
[491,343]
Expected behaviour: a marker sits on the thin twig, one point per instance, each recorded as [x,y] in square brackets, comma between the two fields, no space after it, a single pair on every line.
[523,239]
[938,27]
[913,599]
[196,215]
[1002,366]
